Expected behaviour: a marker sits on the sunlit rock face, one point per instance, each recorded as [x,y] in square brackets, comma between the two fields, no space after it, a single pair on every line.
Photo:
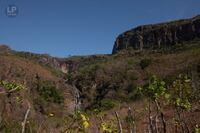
[64,68]
[159,35]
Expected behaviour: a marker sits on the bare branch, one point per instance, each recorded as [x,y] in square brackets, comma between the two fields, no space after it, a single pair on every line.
[161,115]
[25,118]
[119,123]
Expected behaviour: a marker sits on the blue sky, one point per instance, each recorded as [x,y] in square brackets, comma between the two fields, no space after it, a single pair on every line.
[82,27]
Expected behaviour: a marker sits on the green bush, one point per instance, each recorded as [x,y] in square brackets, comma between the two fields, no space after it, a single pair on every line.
[50,93]
[89,72]
[107,104]
[131,87]
[130,62]
[170,79]
[10,86]
[144,63]
[133,93]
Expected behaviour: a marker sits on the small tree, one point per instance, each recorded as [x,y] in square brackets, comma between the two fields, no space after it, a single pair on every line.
[12,87]
[183,94]
[155,90]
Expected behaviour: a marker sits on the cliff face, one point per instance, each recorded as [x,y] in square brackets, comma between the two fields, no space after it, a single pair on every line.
[159,35]
[45,59]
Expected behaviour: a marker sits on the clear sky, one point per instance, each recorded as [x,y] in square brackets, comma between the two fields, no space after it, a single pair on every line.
[82,27]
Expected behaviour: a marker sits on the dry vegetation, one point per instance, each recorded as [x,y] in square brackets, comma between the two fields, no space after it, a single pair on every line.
[114,93]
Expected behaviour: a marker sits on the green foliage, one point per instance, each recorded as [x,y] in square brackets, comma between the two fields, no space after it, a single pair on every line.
[130,62]
[89,72]
[84,119]
[154,89]
[169,79]
[11,86]
[19,99]
[79,122]
[131,87]
[197,129]
[129,119]
[144,63]
[69,76]
[183,92]
[108,127]
[107,104]
[184,103]
[50,93]
[132,92]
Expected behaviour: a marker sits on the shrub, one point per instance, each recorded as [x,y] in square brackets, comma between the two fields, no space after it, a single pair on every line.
[108,127]
[169,79]
[89,72]
[11,86]
[131,87]
[107,104]
[145,63]
[130,62]
[50,93]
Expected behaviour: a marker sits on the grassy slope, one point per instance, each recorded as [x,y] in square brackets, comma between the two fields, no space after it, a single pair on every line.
[25,72]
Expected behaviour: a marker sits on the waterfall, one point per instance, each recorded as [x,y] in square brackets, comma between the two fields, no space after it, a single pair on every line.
[77,101]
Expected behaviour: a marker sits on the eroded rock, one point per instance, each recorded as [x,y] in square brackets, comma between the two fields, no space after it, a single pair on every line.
[159,35]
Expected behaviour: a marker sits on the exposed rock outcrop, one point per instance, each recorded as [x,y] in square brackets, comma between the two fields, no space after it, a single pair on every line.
[65,65]
[4,49]
[159,35]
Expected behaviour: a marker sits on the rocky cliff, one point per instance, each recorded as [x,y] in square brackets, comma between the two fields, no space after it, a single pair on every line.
[161,35]
[64,65]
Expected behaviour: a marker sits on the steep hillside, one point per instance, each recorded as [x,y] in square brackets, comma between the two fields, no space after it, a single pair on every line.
[98,85]
[44,92]
[113,85]
[118,76]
